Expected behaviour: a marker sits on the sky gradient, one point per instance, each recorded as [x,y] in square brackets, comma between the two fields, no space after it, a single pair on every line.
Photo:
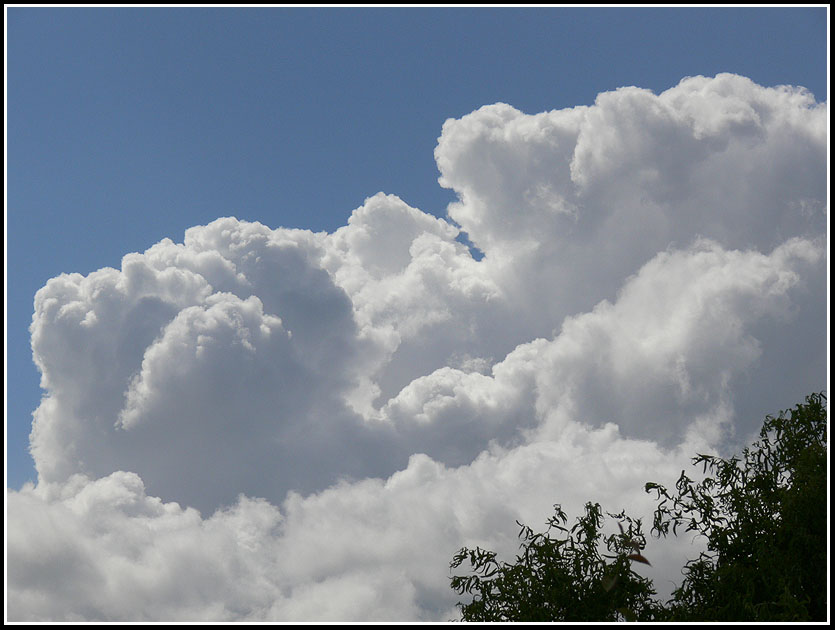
[125,126]
[261,214]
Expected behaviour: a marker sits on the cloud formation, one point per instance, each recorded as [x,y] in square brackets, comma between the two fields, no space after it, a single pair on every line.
[275,424]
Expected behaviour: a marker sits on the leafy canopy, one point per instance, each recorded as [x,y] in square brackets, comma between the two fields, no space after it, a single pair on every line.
[563,577]
[763,515]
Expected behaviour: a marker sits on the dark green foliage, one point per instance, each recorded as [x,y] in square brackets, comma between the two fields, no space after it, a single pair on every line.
[561,578]
[765,522]
[763,515]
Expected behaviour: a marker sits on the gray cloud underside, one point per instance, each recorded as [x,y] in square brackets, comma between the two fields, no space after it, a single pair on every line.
[261,423]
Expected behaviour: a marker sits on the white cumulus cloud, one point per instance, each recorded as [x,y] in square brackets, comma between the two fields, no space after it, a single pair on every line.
[274,424]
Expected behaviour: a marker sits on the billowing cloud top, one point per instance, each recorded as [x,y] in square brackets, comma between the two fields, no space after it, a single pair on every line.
[275,424]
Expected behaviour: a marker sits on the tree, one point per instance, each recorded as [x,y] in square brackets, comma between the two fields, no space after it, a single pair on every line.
[561,577]
[763,515]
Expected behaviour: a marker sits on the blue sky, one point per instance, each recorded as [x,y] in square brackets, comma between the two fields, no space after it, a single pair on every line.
[127,125]
[346,407]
